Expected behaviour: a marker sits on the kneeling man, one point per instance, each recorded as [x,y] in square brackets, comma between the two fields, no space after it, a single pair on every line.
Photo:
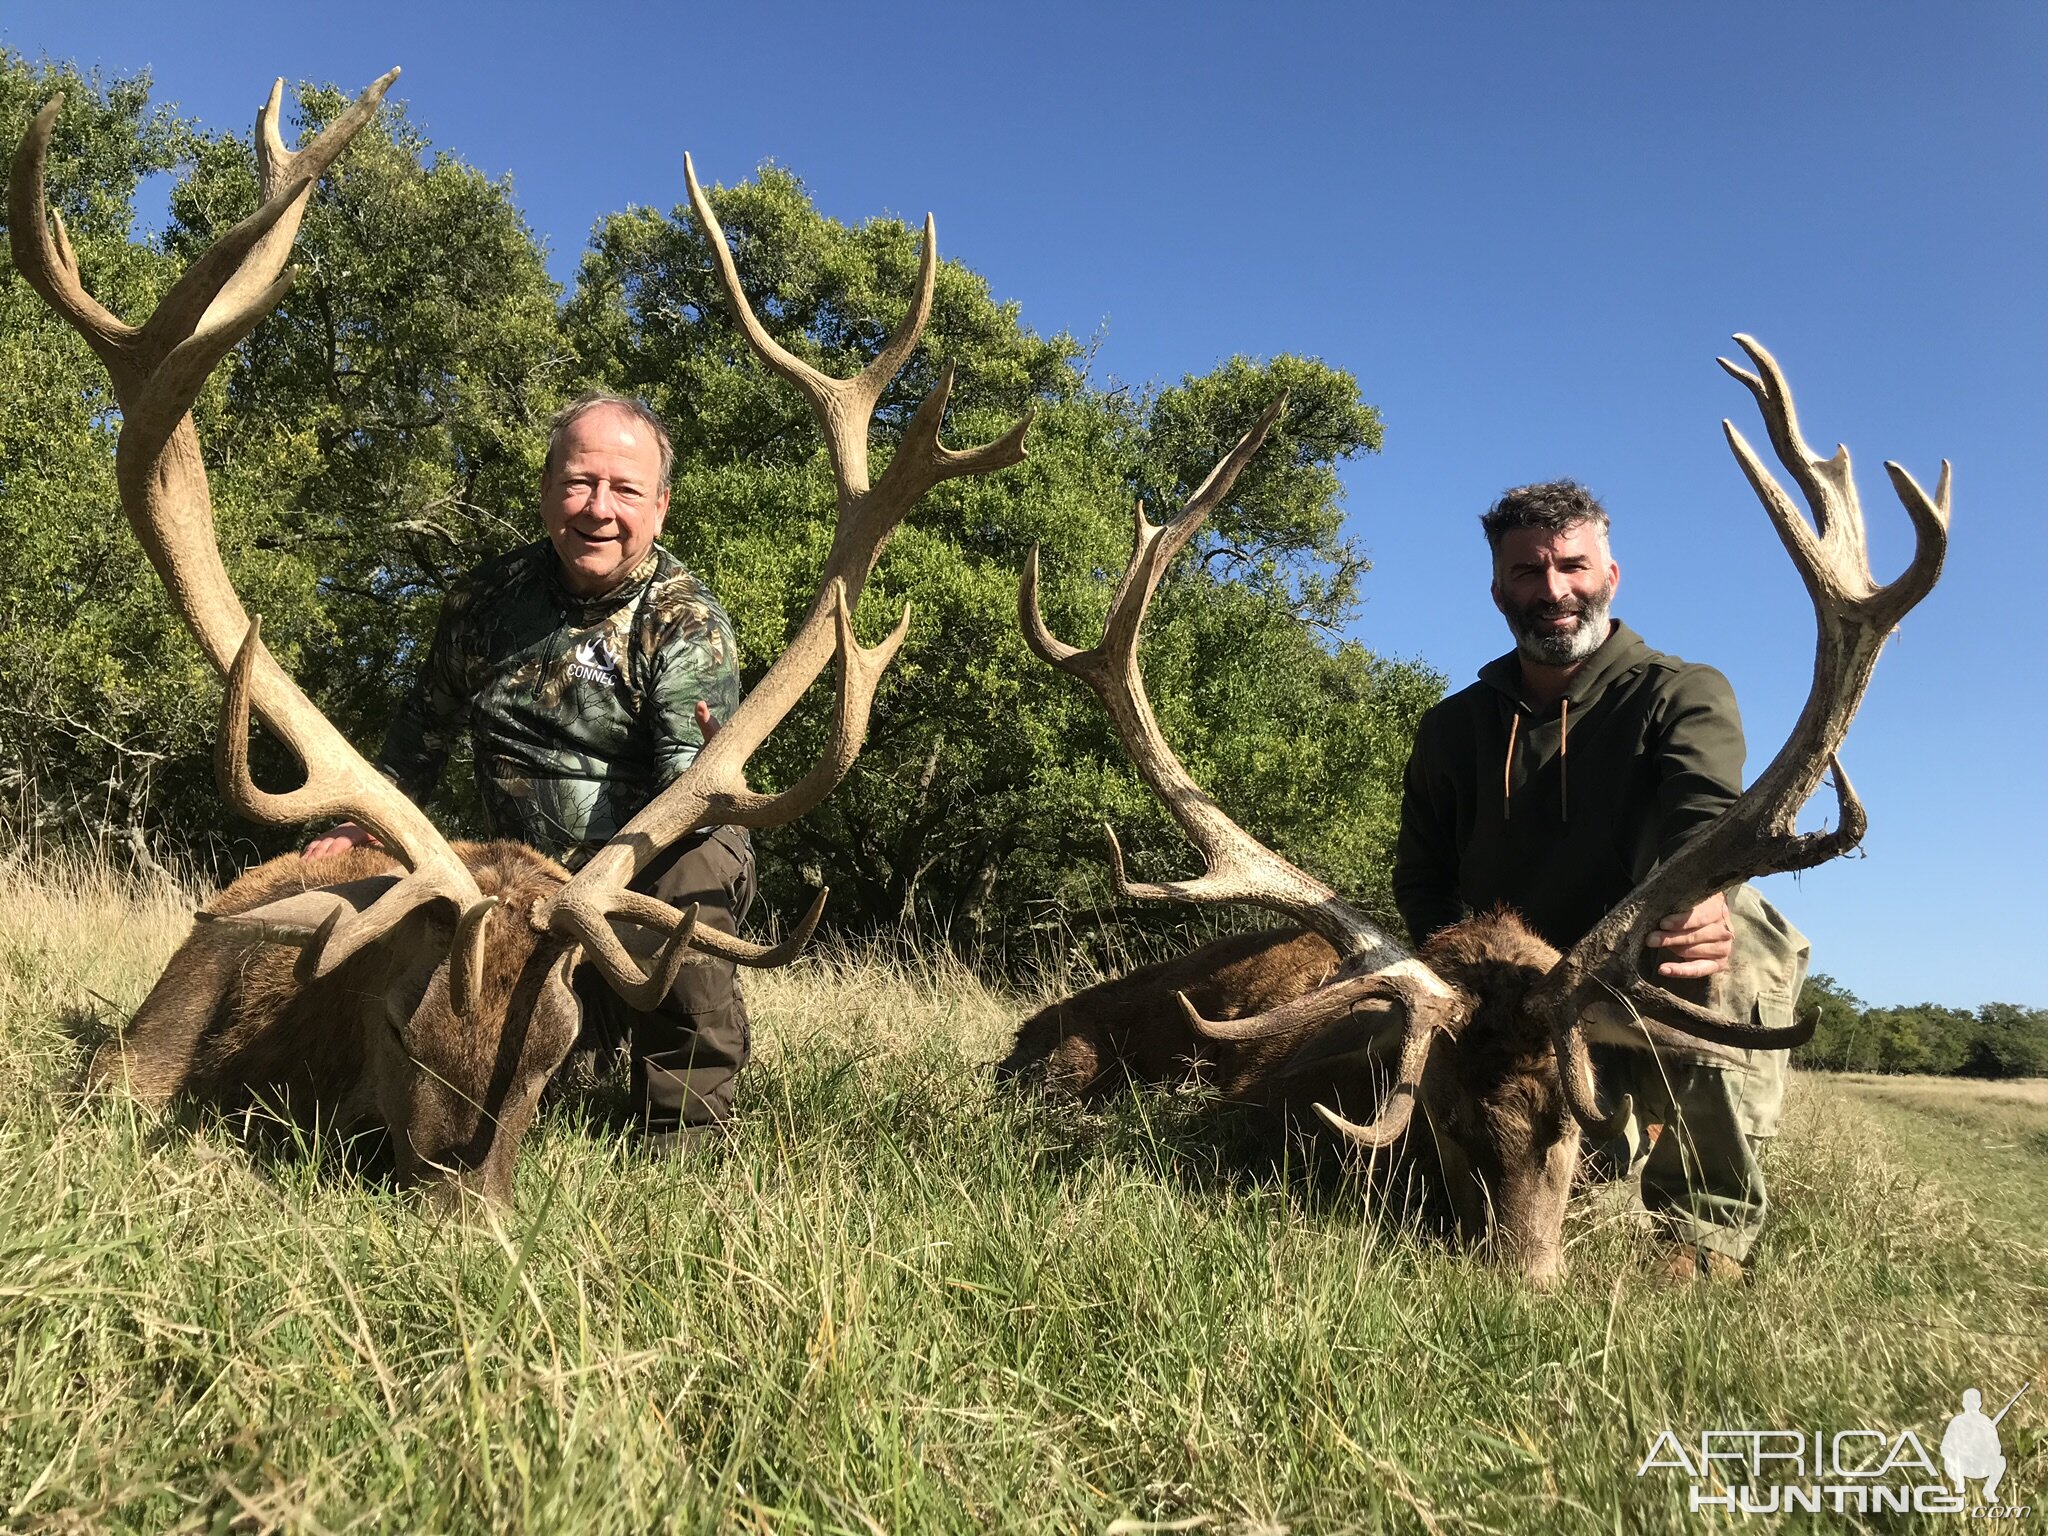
[1557,781]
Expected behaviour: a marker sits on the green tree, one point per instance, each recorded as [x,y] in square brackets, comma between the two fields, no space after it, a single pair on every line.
[92,712]
[2009,1041]
[977,805]
[1838,1042]
[383,427]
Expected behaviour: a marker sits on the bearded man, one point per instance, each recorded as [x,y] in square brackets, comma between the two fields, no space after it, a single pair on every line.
[587,669]
[1552,785]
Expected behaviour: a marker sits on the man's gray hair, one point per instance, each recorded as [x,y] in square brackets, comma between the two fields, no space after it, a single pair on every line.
[592,400]
[1552,505]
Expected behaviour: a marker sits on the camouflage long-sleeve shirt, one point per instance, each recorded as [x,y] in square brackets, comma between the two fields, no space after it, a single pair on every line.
[580,710]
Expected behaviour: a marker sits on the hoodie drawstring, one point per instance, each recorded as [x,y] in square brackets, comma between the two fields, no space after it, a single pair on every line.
[1564,744]
[1507,769]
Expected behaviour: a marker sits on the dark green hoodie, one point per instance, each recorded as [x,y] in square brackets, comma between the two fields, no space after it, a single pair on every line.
[1559,814]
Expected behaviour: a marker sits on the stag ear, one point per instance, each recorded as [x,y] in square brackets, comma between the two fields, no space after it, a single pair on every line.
[296,918]
[1610,1022]
[1370,1034]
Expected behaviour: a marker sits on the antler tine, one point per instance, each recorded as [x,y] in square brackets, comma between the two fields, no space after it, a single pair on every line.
[1758,834]
[826,394]
[1305,1015]
[157,371]
[657,915]
[844,406]
[285,181]
[645,991]
[277,166]
[1581,1093]
[42,249]
[860,673]
[1828,484]
[713,790]
[241,277]
[1237,868]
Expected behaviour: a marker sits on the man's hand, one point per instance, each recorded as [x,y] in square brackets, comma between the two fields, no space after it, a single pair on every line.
[706,726]
[344,837]
[1699,942]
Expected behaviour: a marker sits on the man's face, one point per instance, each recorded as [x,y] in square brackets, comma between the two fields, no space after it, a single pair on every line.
[1555,589]
[603,500]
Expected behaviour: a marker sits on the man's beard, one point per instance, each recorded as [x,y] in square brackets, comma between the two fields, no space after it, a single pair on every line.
[1562,647]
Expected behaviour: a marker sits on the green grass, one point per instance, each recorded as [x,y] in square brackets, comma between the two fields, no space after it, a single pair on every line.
[898,1302]
[1986,1141]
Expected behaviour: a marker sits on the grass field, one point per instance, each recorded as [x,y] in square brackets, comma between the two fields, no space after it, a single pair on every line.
[898,1302]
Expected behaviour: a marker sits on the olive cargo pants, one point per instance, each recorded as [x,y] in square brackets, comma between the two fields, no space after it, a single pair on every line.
[688,1051]
[1700,1178]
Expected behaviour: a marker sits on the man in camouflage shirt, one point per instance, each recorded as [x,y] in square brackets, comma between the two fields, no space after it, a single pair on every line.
[587,669]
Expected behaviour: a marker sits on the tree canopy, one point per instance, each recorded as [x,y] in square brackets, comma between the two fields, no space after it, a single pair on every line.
[384,430]
[1998,1040]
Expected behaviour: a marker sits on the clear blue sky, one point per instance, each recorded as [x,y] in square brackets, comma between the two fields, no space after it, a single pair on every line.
[1527,229]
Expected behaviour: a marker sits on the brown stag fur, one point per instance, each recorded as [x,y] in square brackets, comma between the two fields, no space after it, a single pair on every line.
[1495,1125]
[229,1023]
[1130,1029]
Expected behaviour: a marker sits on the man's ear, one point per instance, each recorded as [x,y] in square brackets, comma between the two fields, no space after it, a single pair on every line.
[1495,590]
[1613,573]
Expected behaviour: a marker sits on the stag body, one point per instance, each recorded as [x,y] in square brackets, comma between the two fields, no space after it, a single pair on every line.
[1488,1028]
[1132,1028]
[1495,1136]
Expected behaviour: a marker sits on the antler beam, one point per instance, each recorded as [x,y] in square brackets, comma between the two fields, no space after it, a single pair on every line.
[1238,868]
[157,371]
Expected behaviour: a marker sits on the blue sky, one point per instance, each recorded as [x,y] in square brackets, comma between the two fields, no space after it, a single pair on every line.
[1527,229]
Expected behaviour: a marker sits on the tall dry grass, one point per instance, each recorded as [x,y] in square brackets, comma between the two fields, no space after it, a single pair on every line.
[896,1301]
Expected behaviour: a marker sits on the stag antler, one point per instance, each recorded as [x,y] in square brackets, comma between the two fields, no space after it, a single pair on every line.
[1237,867]
[157,370]
[1758,835]
[713,790]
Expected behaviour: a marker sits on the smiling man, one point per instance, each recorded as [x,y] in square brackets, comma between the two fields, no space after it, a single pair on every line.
[1553,785]
[586,670]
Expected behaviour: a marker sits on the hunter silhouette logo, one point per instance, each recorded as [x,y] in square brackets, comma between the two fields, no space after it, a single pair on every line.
[1862,1470]
[1970,1448]
[593,662]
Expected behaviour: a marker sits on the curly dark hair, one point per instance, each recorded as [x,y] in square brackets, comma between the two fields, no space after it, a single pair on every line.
[1552,504]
